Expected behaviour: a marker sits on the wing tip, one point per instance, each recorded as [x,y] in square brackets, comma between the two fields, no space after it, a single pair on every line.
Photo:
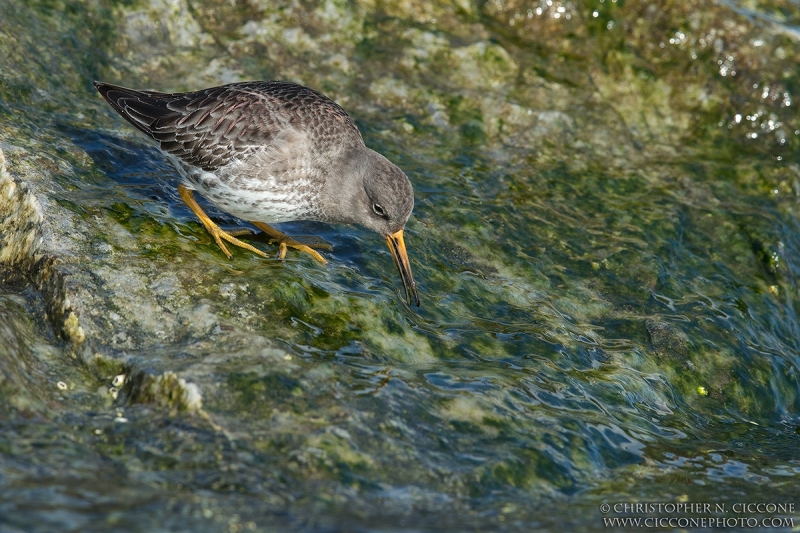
[129,104]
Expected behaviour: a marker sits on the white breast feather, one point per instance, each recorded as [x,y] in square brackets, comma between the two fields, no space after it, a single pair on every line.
[253,189]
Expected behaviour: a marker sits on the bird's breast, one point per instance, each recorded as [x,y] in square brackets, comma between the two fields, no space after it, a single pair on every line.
[258,193]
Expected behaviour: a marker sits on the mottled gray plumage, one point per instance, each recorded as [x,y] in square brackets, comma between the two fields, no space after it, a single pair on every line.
[273,152]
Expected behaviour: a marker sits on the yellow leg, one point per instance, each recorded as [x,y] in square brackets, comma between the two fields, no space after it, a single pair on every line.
[239,232]
[285,241]
[215,231]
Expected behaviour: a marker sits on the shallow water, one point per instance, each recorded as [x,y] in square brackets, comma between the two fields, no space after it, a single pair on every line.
[605,239]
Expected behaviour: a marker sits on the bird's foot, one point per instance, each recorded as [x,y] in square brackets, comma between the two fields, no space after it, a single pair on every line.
[218,233]
[221,235]
[240,232]
[289,242]
[285,242]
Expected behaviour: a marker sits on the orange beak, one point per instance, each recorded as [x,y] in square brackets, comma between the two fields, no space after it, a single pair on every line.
[398,248]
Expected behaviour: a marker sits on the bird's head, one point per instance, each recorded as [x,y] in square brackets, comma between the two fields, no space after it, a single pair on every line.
[381,199]
[388,198]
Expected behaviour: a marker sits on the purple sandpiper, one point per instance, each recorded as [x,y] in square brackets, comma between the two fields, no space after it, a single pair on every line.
[273,151]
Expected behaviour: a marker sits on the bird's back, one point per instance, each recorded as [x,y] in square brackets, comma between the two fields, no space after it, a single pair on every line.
[211,128]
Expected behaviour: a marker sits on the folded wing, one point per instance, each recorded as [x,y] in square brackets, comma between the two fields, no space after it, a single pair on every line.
[213,127]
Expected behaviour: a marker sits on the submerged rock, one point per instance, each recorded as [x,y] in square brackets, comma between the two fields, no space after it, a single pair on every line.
[580,170]
[667,340]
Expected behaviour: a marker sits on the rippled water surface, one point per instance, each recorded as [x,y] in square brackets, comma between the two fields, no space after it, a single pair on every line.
[605,238]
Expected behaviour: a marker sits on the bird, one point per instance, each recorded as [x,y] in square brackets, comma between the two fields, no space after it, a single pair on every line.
[272,152]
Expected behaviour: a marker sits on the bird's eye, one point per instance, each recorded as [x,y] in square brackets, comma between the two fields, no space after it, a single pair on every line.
[378,210]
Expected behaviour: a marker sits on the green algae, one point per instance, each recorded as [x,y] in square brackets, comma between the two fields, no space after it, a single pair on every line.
[602,229]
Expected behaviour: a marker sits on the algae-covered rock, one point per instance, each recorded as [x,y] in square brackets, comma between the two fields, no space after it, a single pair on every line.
[18,389]
[20,224]
[604,238]
[667,340]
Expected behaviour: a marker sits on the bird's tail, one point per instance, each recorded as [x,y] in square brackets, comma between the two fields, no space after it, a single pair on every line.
[140,108]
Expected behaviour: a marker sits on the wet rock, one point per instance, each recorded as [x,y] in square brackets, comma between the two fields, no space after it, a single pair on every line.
[579,158]
[20,225]
[166,390]
[22,259]
[668,341]
[19,389]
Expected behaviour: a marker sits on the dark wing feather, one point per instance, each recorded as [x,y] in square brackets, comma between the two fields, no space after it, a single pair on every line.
[212,127]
